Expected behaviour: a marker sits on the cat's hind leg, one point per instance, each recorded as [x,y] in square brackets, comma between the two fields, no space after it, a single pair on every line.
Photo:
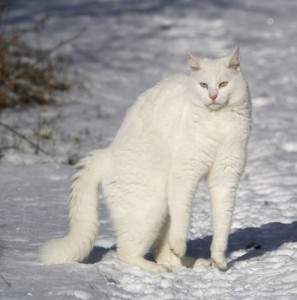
[133,247]
[144,263]
[137,219]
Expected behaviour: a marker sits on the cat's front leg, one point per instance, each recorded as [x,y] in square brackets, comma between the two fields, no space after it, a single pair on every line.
[222,183]
[181,188]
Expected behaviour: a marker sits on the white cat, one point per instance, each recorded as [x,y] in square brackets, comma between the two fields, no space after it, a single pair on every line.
[182,129]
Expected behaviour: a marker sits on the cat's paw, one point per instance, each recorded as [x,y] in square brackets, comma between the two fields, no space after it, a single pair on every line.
[219,261]
[169,259]
[161,268]
[178,247]
[202,262]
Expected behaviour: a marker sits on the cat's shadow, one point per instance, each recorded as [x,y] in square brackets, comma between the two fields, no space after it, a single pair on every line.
[256,241]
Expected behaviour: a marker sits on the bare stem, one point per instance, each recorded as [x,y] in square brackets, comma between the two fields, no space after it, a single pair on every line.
[37,147]
[3,278]
[41,58]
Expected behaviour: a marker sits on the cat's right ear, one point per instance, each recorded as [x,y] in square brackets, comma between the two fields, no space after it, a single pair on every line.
[193,62]
[232,61]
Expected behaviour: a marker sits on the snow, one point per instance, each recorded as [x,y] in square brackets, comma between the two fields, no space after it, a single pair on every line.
[126,48]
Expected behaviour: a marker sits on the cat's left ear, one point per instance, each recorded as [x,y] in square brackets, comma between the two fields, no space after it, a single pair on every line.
[193,62]
[232,60]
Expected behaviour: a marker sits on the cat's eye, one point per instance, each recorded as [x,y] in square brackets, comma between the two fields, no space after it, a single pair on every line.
[223,84]
[204,85]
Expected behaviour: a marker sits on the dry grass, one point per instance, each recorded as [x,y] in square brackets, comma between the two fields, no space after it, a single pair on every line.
[27,75]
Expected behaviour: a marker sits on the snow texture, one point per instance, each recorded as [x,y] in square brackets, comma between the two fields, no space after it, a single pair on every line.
[126,48]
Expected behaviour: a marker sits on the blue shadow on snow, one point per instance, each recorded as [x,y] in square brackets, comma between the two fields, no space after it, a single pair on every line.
[255,240]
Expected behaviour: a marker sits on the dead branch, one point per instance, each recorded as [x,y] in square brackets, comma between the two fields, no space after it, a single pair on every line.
[16,73]
[5,44]
[3,278]
[37,147]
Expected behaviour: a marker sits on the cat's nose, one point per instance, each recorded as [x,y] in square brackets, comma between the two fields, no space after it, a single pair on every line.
[213,97]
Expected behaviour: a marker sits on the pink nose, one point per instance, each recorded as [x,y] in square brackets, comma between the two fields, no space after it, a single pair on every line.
[213,97]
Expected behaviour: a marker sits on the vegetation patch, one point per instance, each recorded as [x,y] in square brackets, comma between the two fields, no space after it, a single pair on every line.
[28,75]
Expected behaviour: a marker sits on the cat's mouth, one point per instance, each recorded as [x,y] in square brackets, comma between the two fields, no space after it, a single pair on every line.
[214,106]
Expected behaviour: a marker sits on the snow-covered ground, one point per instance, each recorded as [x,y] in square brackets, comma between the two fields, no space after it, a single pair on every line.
[126,48]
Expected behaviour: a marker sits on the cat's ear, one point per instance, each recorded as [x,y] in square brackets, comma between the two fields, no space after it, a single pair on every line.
[232,60]
[193,62]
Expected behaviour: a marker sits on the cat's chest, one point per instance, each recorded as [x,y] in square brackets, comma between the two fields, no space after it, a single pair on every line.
[206,131]
[212,128]
[200,140]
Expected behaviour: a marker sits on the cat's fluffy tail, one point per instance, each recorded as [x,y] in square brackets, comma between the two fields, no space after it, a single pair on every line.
[83,214]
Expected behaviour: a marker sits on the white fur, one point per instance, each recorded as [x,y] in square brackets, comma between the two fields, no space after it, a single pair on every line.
[170,138]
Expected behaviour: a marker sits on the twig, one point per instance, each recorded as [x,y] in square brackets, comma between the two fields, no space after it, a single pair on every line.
[6,148]
[37,147]
[7,43]
[38,133]
[3,278]
[46,54]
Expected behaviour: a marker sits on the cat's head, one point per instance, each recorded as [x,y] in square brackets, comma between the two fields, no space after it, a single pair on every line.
[218,82]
